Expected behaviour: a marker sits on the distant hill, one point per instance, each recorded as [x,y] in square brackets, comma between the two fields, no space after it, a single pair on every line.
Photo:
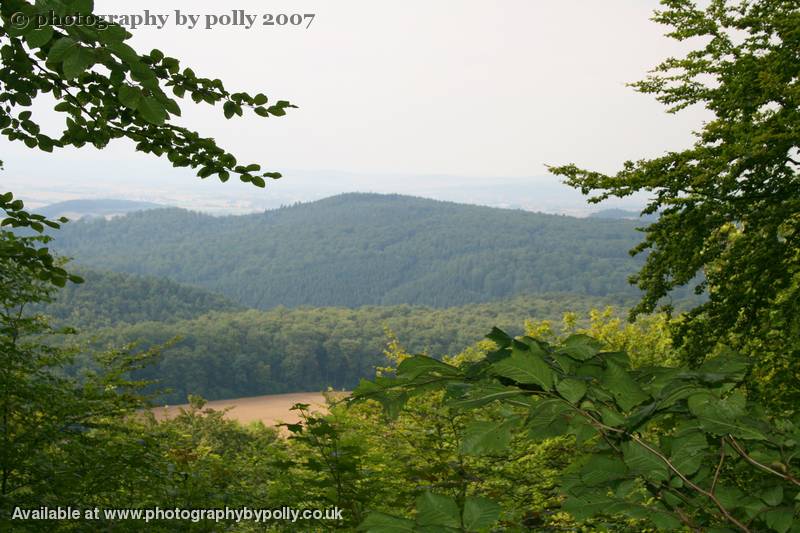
[109,298]
[364,249]
[76,209]
[622,214]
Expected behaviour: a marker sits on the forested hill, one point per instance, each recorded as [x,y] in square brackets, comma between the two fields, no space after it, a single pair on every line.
[110,298]
[252,352]
[75,209]
[364,249]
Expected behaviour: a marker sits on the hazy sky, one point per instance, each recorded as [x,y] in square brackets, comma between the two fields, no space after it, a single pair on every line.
[400,95]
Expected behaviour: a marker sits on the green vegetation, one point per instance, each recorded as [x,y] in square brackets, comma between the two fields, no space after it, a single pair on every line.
[108,298]
[364,249]
[107,90]
[247,353]
[730,205]
[595,426]
[672,446]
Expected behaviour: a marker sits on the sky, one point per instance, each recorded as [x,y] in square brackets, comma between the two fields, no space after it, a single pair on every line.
[465,100]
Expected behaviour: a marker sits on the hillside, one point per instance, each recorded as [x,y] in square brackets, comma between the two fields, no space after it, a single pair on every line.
[75,209]
[364,249]
[110,298]
[247,353]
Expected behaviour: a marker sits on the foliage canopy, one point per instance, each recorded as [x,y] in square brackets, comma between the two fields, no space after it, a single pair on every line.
[730,205]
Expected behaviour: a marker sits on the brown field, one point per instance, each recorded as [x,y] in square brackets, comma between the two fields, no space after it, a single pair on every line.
[271,409]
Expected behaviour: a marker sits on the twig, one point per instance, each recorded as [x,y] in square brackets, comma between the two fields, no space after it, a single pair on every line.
[740,451]
[719,465]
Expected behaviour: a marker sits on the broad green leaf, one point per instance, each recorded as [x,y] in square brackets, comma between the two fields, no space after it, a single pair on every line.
[525,368]
[721,417]
[729,496]
[602,469]
[487,437]
[688,452]
[124,52]
[728,366]
[779,520]
[130,96]
[437,510]
[39,36]
[500,337]
[581,347]
[546,419]
[773,496]
[665,521]
[582,430]
[480,513]
[418,365]
[589,505]
[676,392]
[479,397]
[611,417]
[571,389]
[643,462]
[383,523]
[60,49]
[623,387]
[152,110]
[77,60]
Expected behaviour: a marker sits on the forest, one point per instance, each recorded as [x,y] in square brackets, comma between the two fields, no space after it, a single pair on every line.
[364,249]
[504,375]
[211,348]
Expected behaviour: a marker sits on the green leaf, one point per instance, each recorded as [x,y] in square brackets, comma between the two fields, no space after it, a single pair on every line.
[688,452]
[589,505]
[601,469]
[721,417]
[483,395]
[60,49]
[581,347]
[773,496]
[779,520]
[525,368]
[39,36]
[130,96]
[623,387]
[500,337]
[665,521]
[418,365]
[383,523]
[124,52]
[437,510]
[480,513]
[77,60]
[546,419]
[643,462]
[83,6]
[229,108]
[486,437]
[152,110]
[571,389]
[611,417]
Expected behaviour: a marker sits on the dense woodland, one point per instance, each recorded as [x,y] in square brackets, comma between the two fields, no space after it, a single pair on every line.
[220,352]
[683,418]
[364,249]
[111,298]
